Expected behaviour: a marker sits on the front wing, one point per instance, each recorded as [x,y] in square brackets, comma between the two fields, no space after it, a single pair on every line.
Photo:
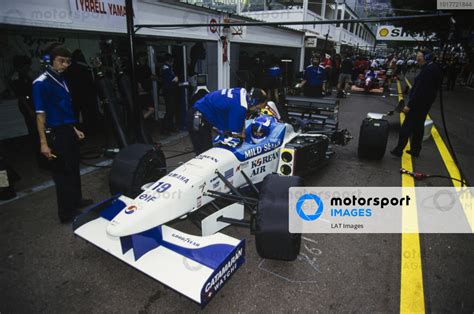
[194,266]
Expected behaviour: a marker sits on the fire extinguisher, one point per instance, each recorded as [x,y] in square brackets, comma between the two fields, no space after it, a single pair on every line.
[7,190]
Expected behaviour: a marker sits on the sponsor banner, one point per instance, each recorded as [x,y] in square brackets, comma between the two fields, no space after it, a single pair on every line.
[381,210]
[100,12]
[392,33]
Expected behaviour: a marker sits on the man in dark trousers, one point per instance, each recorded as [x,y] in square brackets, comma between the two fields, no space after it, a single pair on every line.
[145,85]
[21,84]
[313,79]
[274,78]
[224,110]
[84,95]
[347,67]
[422,96]
[59,137]
[170,93]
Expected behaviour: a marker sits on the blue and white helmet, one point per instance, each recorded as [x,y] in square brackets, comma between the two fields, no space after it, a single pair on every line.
[260,128]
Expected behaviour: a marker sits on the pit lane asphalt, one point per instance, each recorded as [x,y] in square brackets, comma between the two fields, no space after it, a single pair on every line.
[44,268]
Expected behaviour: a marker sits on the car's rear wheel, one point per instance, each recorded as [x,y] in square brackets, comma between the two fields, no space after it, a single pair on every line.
[272,237]
[135,166]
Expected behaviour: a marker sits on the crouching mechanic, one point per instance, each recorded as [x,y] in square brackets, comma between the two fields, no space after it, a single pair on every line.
[55,116]
[224,110]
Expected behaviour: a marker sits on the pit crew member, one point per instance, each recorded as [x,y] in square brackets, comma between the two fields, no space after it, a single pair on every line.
[55,114]
[313,79]
[224,110]
[422,96]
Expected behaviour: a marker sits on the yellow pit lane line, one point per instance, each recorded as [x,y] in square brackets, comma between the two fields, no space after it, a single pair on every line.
[412,298]
[400,93]
[465,198]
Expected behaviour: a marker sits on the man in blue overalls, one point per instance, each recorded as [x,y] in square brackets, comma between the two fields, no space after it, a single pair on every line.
[59,137]
[313,79]
[224,110]
[274,80]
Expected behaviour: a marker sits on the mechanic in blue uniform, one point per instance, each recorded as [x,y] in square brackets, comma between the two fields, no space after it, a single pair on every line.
[422,96]
[224,110]
[313,79]
[59,138]
[274,80]
[171,95]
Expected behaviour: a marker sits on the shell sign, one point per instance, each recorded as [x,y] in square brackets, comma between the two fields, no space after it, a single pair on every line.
[388,32]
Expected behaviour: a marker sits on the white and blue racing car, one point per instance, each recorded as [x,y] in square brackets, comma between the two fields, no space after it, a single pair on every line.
[245,185]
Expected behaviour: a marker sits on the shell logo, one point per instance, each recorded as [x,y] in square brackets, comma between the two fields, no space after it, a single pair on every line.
[383,32]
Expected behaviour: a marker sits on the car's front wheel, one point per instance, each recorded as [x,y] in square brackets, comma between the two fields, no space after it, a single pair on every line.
[272,237]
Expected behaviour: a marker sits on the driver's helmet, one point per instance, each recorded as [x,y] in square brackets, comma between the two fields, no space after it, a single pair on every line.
[260,128]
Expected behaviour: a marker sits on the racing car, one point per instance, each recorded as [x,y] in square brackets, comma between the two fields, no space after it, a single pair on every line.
[245,185]
[370,82]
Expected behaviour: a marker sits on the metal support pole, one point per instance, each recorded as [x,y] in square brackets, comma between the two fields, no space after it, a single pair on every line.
[137,124]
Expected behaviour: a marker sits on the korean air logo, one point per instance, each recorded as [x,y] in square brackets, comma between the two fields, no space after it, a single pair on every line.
[309,207]
[131,209]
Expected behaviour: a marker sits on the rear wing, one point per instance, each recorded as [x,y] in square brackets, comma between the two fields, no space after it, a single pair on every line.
[194,266]
[312,114]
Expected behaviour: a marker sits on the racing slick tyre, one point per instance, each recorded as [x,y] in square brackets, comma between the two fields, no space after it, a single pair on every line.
[135,166]
[272,238]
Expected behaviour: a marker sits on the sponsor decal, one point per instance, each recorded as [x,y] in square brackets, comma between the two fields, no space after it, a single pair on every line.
[265,159]
[179,177]
[259,165]
[252,152]
[185,240]
[383,32]
[147,197]
[199,201]
[244,165]
[221,276]
[229,173]
[131,209]
[201,187]
[207,157]
[215,182]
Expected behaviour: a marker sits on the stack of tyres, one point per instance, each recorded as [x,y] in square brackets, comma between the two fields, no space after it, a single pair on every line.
[373,138]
